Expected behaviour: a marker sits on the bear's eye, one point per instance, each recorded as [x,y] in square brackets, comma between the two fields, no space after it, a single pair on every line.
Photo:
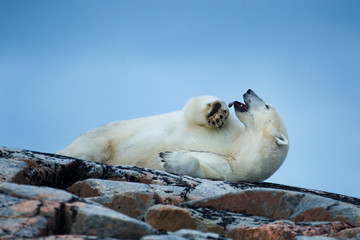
[267,106]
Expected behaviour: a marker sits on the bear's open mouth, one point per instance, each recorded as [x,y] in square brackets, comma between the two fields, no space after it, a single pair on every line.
[239,106]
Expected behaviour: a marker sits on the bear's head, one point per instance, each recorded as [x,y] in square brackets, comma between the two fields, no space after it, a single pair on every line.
[261,117]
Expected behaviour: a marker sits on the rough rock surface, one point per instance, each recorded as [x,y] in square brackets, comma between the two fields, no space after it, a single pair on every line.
[55,197]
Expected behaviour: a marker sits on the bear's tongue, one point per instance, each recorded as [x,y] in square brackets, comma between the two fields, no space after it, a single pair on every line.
[241,107]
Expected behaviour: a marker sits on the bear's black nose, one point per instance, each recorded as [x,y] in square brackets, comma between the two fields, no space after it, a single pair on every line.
[249,91]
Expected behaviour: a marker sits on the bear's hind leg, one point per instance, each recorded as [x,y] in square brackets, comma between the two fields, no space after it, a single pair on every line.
[180,163]
[201,164]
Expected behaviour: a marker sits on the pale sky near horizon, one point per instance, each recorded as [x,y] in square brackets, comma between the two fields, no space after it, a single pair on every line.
[70,66]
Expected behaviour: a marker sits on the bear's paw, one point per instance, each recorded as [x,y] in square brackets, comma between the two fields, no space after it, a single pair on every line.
[218,114]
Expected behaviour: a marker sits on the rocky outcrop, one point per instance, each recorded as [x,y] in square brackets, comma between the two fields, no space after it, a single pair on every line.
[51,196]
[28,211]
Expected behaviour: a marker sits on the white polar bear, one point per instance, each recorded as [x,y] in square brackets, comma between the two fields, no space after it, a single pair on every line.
[203,140]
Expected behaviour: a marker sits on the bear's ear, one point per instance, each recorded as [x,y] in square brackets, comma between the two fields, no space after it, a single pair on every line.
[281,139]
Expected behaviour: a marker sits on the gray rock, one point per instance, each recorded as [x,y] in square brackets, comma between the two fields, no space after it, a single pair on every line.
[193,234]
[185,234]
[12,170]
[95,220]
[169,236]
[209,188]
[98,187]
[170,194]
[74,237]
[315,238]
[33,192]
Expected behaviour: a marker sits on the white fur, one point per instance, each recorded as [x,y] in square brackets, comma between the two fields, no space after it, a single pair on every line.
[193,143]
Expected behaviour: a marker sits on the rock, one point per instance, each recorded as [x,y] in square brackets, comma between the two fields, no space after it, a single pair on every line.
[235,225]
[279,204]
[163,237]
[314,238]
[349,233]
[170,218]
[94,220]
[191,234]
[12,170]
[208,188]
[33,192]
[171,195]
[173,218]
[132,199]
[73,237]
[116,202]
[282,230]
[29,211]
[185,234]
[58,171]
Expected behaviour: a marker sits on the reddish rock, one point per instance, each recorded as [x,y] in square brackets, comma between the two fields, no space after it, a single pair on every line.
[348,233]
[133,204]
[260,202]
[85,189]
[24,209]
[173,218]
[288,205]
[235,225]
[284,230]
[169,218]
[132,199]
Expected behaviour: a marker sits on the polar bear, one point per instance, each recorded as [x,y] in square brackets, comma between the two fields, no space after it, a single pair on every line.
[202,140]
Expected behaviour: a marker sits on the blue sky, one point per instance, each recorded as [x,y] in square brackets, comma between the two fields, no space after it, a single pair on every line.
[70,66]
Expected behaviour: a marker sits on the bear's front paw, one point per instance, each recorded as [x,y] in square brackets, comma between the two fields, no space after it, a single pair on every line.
[180,163]
[218,114]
